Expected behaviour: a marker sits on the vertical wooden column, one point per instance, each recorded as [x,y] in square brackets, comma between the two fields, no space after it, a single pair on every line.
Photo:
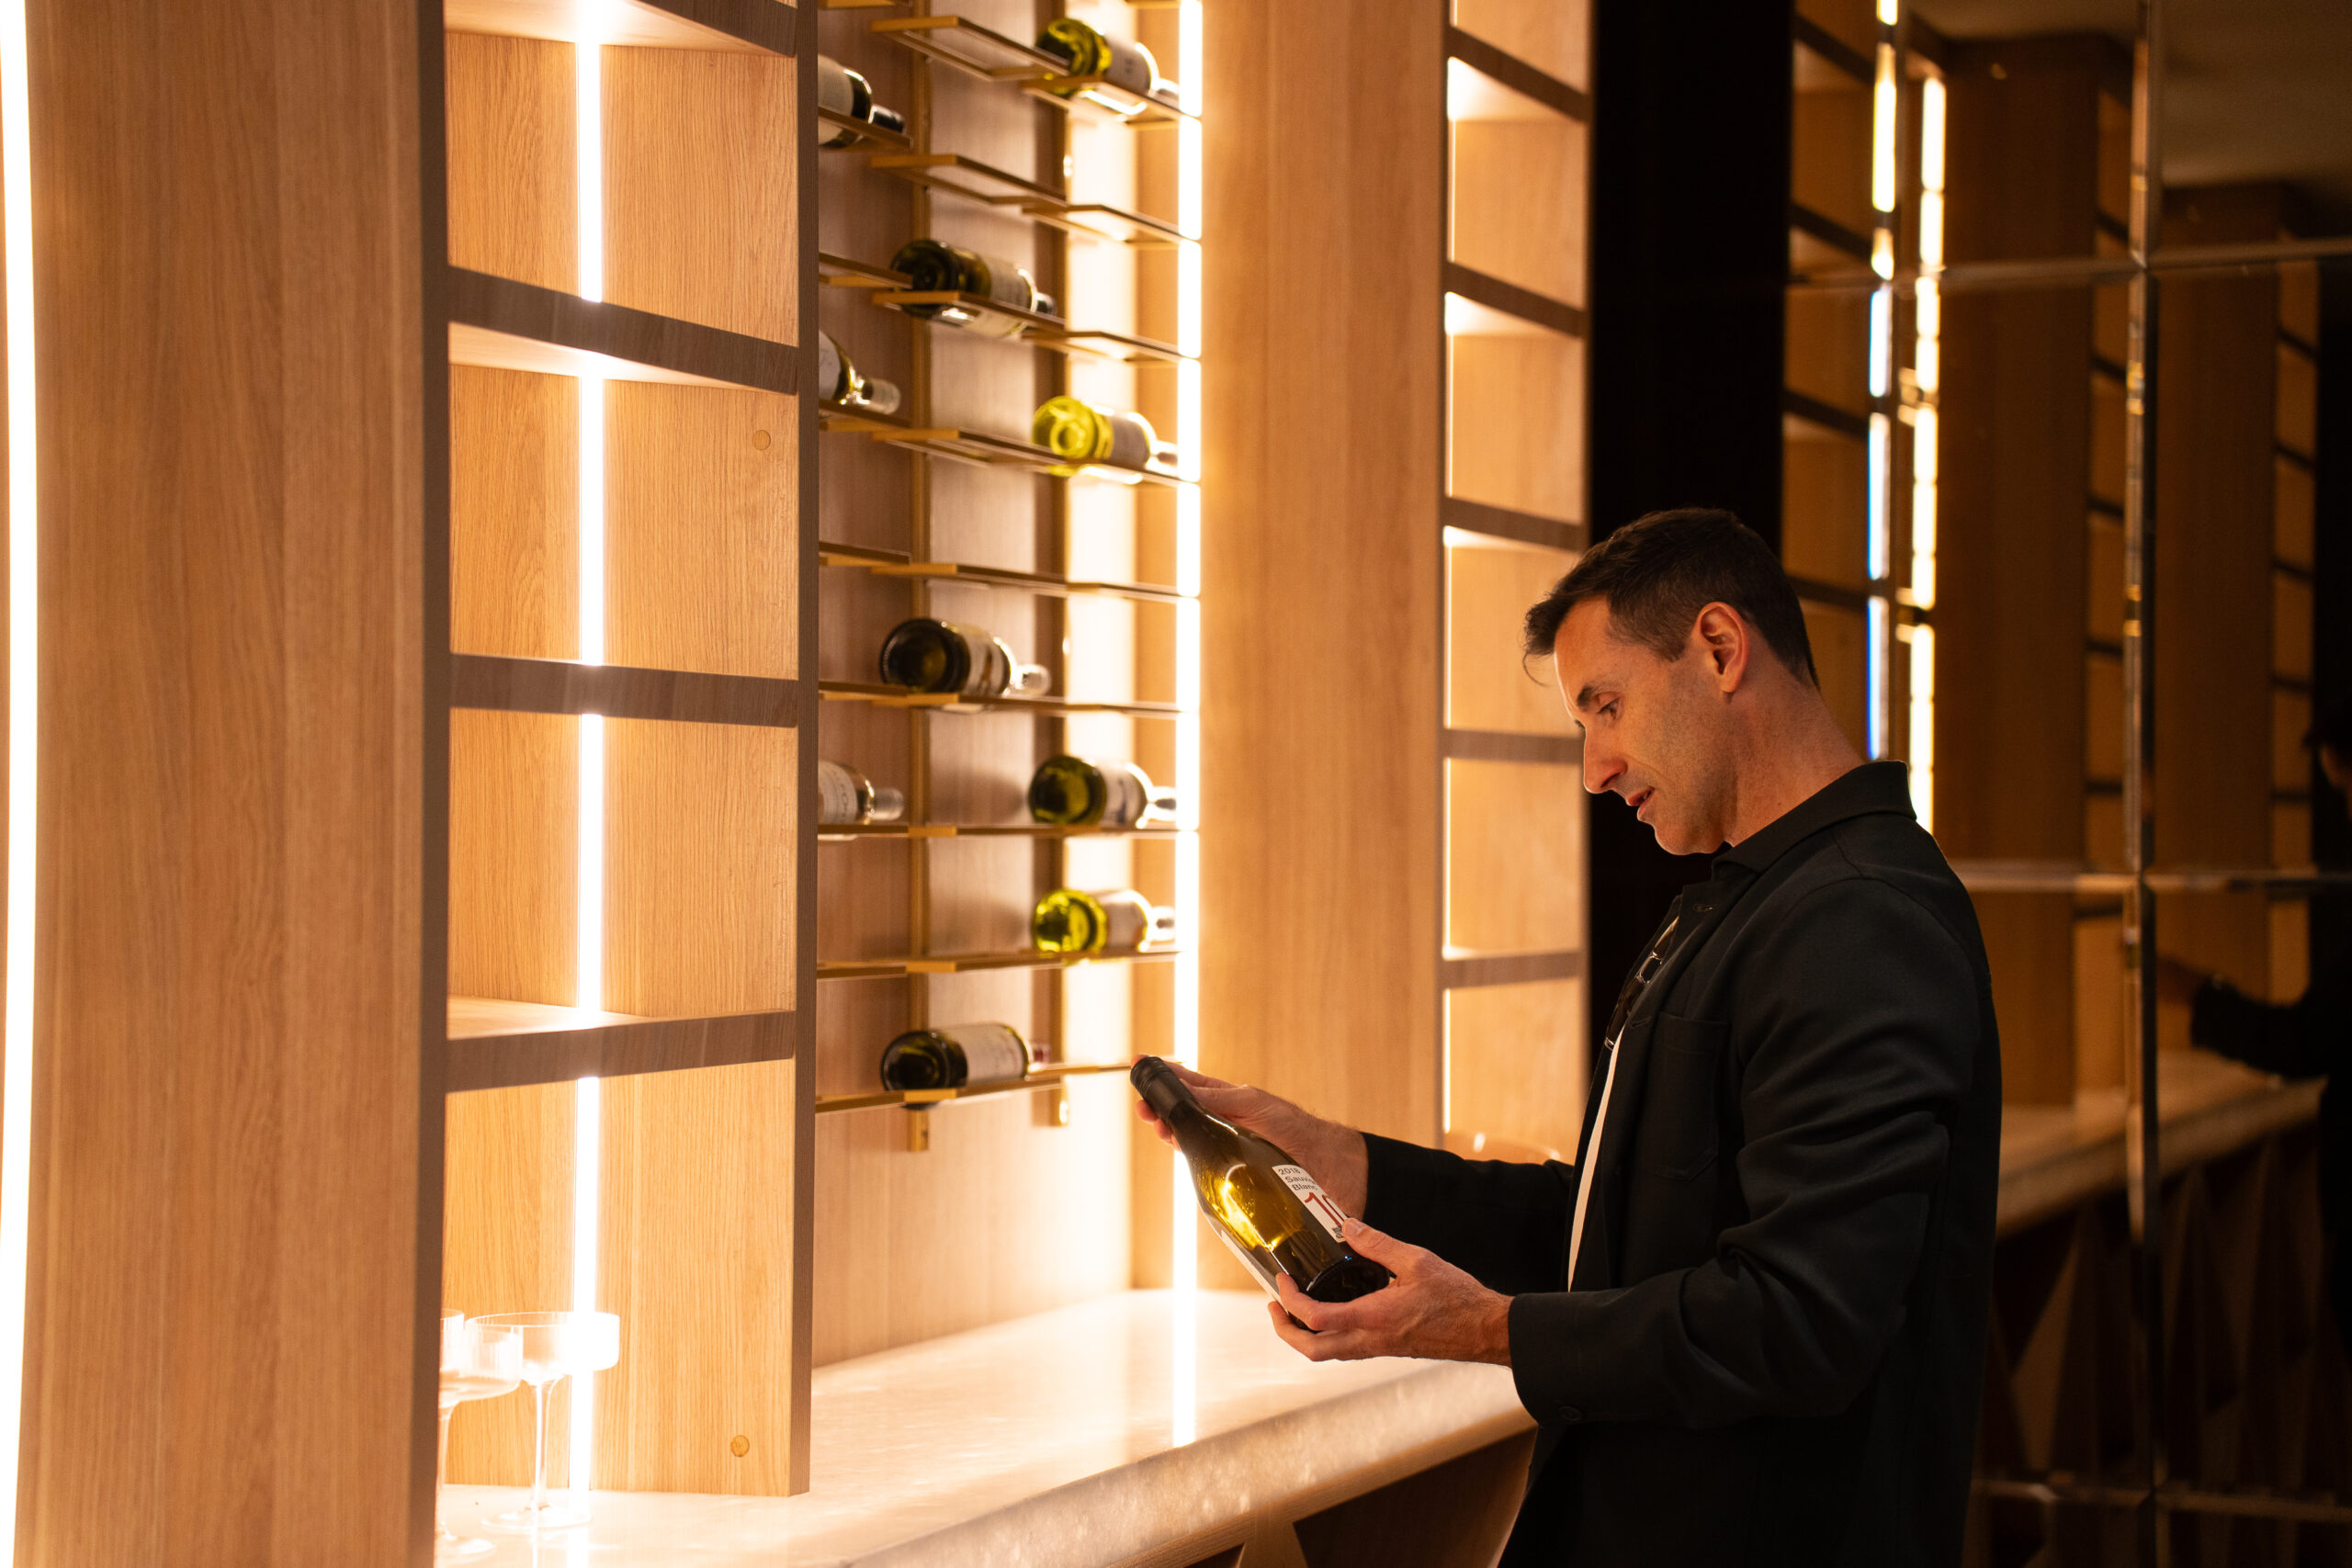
[2015,463]
[1320,595]
[237,1169]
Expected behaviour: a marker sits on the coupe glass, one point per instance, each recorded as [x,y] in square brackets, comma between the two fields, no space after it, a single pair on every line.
[555,1345]
[478,1361]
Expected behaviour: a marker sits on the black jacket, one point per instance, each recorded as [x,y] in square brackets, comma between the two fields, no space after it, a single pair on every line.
[1773,1348]
[2308,1038]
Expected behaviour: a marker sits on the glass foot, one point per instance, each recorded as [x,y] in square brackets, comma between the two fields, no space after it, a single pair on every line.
[461,1549]
[547,1517]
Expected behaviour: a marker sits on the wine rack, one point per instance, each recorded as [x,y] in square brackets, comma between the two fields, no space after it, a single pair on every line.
[946,507]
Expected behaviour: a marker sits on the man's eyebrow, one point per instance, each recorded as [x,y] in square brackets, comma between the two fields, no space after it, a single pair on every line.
[1584,696]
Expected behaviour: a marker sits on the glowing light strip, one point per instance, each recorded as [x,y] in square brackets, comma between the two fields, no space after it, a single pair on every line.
[1883,132]
[16,1059]
[1183,1267]
[588,1122]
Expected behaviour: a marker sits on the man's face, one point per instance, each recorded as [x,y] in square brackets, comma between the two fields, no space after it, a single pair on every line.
[1654,729]
[2338,769]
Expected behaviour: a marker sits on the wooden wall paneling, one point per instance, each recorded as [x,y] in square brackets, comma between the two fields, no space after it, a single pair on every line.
[2101,1005]
[1854,22]
[1829,356]
[513,514]
[697,1254]
[235,1188]
[1553,35]
[1488,684]
[2290,943]
[2298,400]
[1830,167]
[2014,747]
[1840,642]
[1516,1065]
[1312,174]
[1514,854]
[699,575]
[2296,513]
[513,202]
[2103,717]
[1518,191]
[1515,418]
[2290,626]
[514,857]
[701,212]
[2103,619]
[1825,507]
[2290,718]
[507,1248]
[2214,463]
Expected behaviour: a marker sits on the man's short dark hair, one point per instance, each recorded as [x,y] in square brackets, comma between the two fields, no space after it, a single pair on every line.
[1657,572]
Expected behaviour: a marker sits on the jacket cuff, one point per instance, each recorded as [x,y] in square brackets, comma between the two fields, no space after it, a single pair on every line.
[1547,1330]
[2215,1008]
[1399,1177]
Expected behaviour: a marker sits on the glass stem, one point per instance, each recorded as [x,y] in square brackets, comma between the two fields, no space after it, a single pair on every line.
[539,1450]
[441,1476]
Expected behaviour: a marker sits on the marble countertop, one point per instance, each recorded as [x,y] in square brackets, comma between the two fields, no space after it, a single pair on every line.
[1083,1436]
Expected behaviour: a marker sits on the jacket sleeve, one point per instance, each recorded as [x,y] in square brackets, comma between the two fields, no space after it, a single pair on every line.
[1503,1222]
[2302,1039]
[1857,1038]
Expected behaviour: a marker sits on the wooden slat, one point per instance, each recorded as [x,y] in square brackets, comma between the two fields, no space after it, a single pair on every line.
[236,1140]
[495,1044]
[1517,75]
[1513,301]
[1812,410]
[1830,232]
[521,326]
[563,686]
[1812,35]
[1456,974]
[760,27]
[1502,523]
[1504,746]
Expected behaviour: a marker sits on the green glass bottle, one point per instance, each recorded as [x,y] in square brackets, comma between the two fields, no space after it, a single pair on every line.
[948,656]
[1261,1203]
[1090,52]
[839,382]
[1122,920]
[955,1055]
[1085,434]
[847,92]
[1078,792]
[934,266]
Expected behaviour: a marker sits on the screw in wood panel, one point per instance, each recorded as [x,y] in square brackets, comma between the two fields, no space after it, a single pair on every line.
[759,440]
[918,1130]
[739,1444]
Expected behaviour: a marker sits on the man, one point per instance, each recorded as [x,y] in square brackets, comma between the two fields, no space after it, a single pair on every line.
[2308,1038]
[1750,1321]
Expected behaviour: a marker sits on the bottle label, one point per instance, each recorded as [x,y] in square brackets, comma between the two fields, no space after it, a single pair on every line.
[1130,67]
[1002,283]
[992,1052]
[834,89]
[1131,442]
[1310,1193]
[1127,794]
[1127,920]
[837,793]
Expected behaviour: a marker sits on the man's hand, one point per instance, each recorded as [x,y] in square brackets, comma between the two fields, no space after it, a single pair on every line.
[1431,1310]
[1333,1153]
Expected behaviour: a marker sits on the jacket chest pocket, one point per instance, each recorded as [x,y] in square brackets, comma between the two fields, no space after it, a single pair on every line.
[1681,1123]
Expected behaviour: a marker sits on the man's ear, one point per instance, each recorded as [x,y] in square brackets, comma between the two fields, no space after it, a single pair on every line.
[1722,634]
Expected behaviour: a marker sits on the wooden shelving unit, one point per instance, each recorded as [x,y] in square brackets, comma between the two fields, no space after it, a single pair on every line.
[1511,508]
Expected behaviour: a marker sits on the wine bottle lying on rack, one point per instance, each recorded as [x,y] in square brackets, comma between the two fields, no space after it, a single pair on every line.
[946,656]
[838,380]
[1122,920]
[1261,1203]
[936,267]
[1069,427]
[955,1055]
[846,798]
[847,92]
[1078,792]
[1120,62]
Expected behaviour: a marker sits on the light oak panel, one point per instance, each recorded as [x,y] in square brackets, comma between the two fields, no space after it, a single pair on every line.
[235,1198]
[2294,513]
[513,514]
[2297,400]
[514,856]
[701,220]
[2299,298]
[696,1255]
[1829,349]
[1514,857]
[2103,580]
[2290,944]
[2102,1006]
[1553,35]
[2291,719]
[1323,159]
[507,1228]
[2291,833]
[890,1221]
[1830,165]
[1824,508]
[1854,22]
[2290,626]
[699,881]
[1488,684]
[702,561]
[1516,422]
[1519,198]
[512,208]
[1515,1064]
[2103,716]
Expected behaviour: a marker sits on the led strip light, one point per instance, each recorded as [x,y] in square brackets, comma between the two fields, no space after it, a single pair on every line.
[1183,1263]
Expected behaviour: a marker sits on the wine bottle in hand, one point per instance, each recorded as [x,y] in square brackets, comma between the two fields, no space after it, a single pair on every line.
[1274,1216]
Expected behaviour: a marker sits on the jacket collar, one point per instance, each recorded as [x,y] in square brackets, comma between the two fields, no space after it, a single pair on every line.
[1872,788]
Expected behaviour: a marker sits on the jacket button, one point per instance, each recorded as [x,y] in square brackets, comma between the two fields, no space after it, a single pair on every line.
[1570,1414]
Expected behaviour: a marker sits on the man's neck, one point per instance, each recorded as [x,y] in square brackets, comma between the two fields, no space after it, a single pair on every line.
[1793,756]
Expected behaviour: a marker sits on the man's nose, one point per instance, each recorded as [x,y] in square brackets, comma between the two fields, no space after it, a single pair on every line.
[1602,766]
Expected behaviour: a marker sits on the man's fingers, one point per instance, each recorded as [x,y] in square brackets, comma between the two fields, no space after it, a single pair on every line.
[1380,1246]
